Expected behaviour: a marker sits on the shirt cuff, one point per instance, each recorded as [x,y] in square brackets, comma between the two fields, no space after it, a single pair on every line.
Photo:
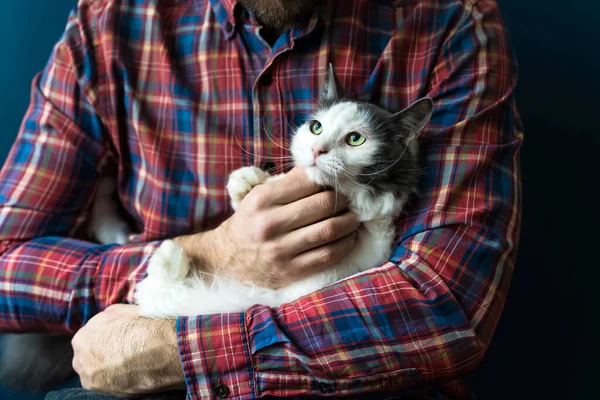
[215,356]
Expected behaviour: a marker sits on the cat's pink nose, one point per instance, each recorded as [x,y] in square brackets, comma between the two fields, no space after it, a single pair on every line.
[317,151]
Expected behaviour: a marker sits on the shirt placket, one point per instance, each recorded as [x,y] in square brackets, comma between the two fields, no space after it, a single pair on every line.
[263,66]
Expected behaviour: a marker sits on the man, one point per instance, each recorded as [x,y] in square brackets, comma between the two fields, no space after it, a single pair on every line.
[171,96]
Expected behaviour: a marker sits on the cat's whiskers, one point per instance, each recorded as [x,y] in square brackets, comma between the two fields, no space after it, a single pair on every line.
[221,160]
[281,146]
[262,157]
[350,177]
[281,168]
[336,184]
[349,174]
[291,129]
[388,167]
[337,167]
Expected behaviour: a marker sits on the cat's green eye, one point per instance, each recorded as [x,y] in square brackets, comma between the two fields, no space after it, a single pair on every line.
[316,127]
[355,139]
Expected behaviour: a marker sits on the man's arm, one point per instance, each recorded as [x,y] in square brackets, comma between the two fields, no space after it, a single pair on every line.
[53,282]
[430,312]
[47,280]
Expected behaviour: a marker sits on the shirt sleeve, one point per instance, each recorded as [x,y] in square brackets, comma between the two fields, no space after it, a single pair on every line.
[428,314]
[48,280]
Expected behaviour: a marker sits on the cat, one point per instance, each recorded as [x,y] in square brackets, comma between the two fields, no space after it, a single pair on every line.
[357,148]
[372,157]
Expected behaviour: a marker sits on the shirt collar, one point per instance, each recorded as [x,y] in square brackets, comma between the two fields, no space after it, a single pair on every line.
[223,10]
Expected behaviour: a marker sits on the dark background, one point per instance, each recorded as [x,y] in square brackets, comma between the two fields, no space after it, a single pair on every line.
[545,346]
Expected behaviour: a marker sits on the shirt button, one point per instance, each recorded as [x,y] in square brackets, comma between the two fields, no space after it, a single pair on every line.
[222,391]
[229,27]
[268,166]
[326,388]
[266,79]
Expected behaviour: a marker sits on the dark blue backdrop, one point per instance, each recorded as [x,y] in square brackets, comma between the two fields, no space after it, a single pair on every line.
[544,346]
[28,30]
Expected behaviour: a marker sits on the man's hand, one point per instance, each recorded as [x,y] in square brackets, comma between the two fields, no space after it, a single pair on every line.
[282,232]
[121,353]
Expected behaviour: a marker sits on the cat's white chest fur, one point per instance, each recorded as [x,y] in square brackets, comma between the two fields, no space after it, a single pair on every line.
[174,288]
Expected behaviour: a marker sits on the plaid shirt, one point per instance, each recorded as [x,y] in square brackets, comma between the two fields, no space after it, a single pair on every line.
[171,96]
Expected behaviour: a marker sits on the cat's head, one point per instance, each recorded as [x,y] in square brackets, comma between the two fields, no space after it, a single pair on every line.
[348,143]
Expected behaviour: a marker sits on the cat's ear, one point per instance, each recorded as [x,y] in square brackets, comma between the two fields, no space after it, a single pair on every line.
[333,90]
[413,118]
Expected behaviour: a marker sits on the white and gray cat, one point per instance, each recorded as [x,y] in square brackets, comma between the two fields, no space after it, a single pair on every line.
[356,148]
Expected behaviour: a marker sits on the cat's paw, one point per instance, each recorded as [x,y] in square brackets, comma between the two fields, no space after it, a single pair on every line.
[169,263]
[242,181]
[162,294]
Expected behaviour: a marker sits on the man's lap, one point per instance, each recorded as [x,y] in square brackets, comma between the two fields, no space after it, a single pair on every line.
[82,394]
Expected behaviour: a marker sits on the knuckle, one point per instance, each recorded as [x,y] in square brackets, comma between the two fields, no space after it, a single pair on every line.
[328,231]
[251,203]
[75,341]
[75,365]
[265,227]
[327,200]
[255,235]
[258,197]
[272,259]
[275,251]
[328,255]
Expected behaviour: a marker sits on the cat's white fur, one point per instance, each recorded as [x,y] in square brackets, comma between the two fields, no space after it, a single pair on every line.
[174,287]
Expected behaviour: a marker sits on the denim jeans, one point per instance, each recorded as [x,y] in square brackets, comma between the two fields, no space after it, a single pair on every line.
[82,394]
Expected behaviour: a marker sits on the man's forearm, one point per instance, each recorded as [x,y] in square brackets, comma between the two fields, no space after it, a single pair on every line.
[203,250]
[58,284]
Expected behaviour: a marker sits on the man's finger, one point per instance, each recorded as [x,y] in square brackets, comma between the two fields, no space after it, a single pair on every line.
[320,234]
[315,260]
[292,187]
[309,210]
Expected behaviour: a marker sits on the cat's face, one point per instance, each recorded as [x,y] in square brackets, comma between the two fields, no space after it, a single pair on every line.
[338,140]
[351,142]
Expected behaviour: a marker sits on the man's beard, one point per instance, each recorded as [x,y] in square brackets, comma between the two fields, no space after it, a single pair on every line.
[279,14]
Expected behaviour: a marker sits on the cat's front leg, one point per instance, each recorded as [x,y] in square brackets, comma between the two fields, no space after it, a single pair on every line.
[161,293]
[242,181]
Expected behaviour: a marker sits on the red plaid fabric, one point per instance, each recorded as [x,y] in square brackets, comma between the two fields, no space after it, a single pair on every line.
[171,96]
